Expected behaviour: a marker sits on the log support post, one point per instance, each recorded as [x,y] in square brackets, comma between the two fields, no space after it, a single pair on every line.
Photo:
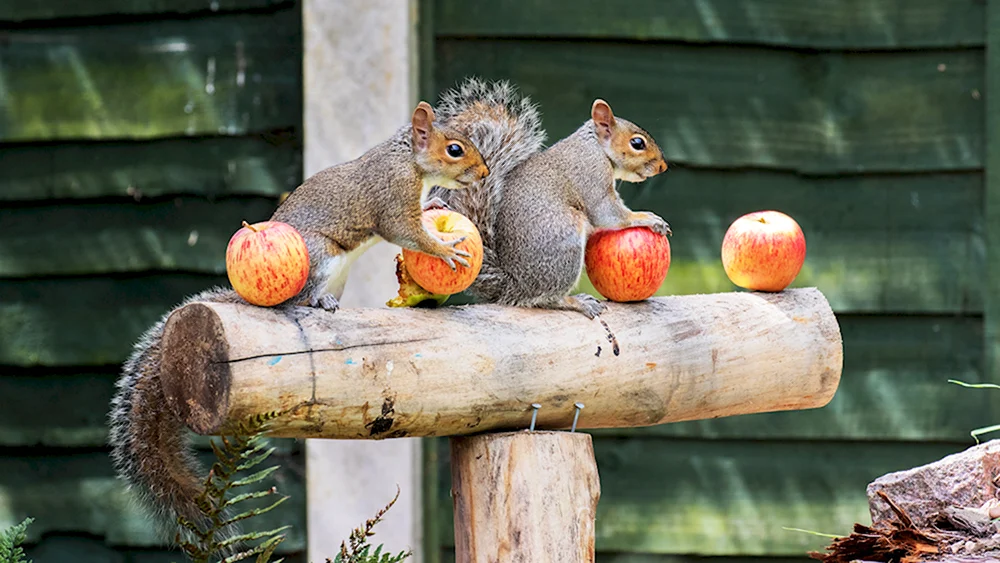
[524,497]
[473,374]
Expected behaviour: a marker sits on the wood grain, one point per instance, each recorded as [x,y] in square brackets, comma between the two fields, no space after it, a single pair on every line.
[79,492]
[819,24]
[377,373]
[524,497]
[925,230]
[264,164]
[728,498]
[894,387]
[60,547]
[41,319]
[49,10]
[991,313]
[179,234]
[719,106]
[228,75]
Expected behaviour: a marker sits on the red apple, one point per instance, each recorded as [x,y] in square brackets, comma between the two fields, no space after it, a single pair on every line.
[627,264]
[433,273]
[267,262]
[763,251]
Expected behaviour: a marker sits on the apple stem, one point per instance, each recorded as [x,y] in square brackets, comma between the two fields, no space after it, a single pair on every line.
[249,226]
[762,220]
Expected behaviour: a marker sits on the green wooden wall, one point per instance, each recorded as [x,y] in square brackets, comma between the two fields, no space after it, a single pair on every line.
[863,119]
[135,135]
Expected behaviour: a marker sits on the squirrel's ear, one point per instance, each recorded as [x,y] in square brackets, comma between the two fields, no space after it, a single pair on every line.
[423,119]
[604,120]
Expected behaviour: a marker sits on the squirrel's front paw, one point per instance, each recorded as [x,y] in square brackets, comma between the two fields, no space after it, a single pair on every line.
[455,255]
[451,255]
[653,221]
[662,228]
[326,302]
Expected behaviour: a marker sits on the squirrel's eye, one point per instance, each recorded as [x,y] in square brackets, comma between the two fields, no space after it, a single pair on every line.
[638,143]
[454,150]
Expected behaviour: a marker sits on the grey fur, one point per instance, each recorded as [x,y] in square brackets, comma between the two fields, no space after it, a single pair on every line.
[508,133]
[151,468]
[536,208]
[336,211]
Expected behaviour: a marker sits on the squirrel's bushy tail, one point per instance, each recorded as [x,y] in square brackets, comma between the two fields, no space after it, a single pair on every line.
[507,129]
[150,445]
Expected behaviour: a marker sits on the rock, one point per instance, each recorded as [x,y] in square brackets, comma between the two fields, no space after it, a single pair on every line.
[964,479]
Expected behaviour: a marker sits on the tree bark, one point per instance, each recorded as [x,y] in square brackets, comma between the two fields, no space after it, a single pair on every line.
[384,373]
[524,497]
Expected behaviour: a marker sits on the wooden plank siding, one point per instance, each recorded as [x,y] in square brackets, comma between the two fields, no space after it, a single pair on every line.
[851,250]
[867,122]
[210,167]
[79,492]
[716,106]
[820,24]
[135,136]
[227,74]
[89,550]
[992,199]
[50,12]
[727,498]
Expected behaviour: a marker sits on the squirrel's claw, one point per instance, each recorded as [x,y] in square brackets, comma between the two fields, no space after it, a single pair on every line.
[654,222]
[456,256]
[326,302]
[451,260]
[588,304]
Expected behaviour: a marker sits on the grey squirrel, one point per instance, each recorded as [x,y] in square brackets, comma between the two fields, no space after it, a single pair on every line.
[535,214]
[340,212]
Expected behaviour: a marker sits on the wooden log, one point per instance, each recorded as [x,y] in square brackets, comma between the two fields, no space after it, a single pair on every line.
[385,373]
[528,497]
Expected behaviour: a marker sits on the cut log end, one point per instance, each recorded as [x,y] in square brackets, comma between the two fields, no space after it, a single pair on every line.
[199,385]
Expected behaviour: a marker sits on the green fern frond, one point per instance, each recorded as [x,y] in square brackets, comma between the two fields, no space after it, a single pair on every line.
[243,450]
[359,550]
[253,512]
[252,536]
[256,477]
[11,540]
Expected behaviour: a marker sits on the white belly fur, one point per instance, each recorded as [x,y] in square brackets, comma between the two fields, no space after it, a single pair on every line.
[336,269]
[442,181]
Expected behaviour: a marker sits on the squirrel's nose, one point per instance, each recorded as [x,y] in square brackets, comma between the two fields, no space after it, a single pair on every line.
[484,171]
[662,167]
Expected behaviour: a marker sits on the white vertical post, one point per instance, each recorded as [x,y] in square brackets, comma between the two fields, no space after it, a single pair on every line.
[360,85]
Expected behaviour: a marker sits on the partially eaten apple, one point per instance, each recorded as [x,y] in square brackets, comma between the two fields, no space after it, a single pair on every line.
[432,273]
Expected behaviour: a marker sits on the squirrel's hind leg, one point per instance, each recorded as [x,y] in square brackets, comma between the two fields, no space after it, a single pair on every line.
[583,303]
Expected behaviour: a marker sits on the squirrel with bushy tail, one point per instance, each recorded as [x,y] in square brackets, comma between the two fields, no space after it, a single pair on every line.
[534,208]
[340,212]
[537,208]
